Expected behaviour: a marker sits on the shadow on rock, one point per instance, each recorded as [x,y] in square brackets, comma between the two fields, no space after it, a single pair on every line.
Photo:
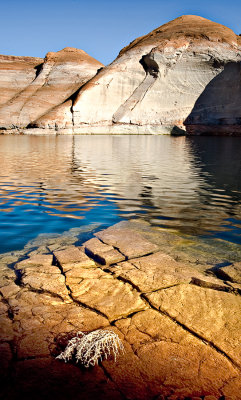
[217,110]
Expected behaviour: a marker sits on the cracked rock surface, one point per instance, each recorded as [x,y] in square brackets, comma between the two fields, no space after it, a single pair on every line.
[178,319]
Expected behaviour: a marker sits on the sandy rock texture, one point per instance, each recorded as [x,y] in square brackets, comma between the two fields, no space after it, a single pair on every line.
[179,319]
[16,73]
[54,81]
[183,76]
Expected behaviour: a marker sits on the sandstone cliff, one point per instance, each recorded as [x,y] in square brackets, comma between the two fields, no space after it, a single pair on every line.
[184,73]
[59,76]
[16,73]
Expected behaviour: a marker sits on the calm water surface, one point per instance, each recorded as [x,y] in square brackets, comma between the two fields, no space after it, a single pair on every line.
[51,184]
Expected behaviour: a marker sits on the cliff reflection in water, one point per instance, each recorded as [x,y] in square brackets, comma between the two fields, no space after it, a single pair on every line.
[51,184]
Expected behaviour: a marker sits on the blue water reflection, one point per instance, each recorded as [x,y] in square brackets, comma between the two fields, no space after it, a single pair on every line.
[51,184]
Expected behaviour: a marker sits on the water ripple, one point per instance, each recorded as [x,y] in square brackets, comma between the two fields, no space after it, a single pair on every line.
[51,184]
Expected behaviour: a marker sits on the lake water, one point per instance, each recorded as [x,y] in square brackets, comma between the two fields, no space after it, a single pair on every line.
[50,184]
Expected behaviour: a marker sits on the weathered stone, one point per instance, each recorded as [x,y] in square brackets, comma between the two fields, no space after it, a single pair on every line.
[235,286]
[9,290]
[231,273]
[59,76]
[6,328]
[7,276]
[127,241]
[77,318]
[38,318]
[35,344]
[46,282]
[3,306]
[113,298]
[212,314]
[72,257]
[76,275]
[38,260]
[102,253]
[171,359]
[159,270]
[16,73]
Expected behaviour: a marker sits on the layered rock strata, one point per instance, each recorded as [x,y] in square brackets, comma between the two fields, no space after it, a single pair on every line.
[59,76]
[183,76]
[16,73]
[179,323]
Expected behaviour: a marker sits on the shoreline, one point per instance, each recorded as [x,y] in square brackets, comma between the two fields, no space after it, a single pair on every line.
[115,130]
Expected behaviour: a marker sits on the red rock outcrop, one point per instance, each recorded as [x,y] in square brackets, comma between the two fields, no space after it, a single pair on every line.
[16,73]
[60,75]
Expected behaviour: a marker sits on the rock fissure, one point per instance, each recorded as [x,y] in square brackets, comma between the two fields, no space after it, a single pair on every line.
[10,312]
[196,334]
[129,282]
[125,317]
[43,291]
[71,295]
[115,248]
[88,307]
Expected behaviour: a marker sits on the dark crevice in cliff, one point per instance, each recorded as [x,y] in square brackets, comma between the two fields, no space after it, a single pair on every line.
[150,66]
[38,69]
[71,98]
[151,69]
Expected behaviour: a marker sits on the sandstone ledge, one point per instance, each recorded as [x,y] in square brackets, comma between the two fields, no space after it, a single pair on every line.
[179,322]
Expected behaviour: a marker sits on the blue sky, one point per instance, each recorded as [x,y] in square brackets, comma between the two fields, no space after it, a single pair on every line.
[101,28]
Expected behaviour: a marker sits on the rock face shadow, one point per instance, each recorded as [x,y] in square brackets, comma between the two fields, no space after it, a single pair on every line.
[217,110]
